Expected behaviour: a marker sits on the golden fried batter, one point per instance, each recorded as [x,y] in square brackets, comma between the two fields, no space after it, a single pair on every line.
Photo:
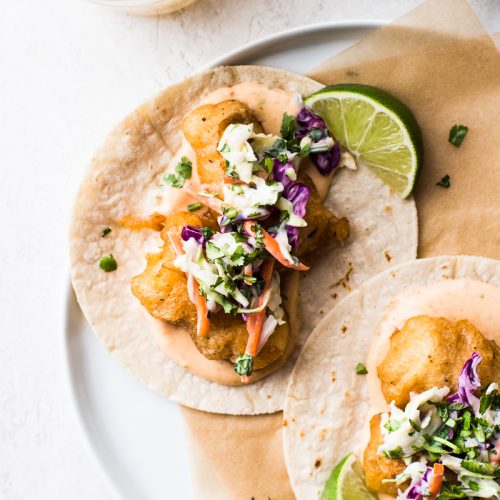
[203,127]
[162,290]
[378,467]
[323,227]
[430,352]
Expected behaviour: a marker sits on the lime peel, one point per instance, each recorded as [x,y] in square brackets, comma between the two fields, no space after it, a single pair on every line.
[346,482]
[378,129]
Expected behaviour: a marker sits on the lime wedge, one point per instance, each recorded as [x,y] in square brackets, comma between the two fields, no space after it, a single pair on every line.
[378,129]
[346,482]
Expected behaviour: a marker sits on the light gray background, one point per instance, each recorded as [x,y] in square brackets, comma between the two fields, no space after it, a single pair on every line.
[68,71]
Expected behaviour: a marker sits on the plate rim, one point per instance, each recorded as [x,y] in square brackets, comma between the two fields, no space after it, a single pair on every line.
[228,58]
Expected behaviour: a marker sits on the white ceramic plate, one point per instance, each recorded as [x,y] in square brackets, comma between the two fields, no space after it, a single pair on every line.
[136,435]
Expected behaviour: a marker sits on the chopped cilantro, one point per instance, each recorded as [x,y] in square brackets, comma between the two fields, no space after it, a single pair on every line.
[244,365]
[485,402]
[207,232]
[415,425]
[278,150]
[457,134]
[478,467]
[444,182]
[218,282]
[183,170]
[192,207]
[173,180]
[305,150]
[287,129]
[392,425]
[108,263]
[284,216]
[269,164]
[361,369]
[396,453]
[105,232]
[237,257]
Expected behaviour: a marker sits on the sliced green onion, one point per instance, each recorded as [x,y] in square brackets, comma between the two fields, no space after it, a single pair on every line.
[108,263]
[192,207]
[208,195]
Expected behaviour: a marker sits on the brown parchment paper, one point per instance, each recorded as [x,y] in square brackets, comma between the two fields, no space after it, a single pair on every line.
[439,61]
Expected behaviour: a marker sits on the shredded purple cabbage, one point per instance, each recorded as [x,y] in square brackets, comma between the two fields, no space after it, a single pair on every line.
[193,232]
[299,195]
[279,172]
[416,492]
[292,233]
[325,161]
[306,121]
[295,192]
[251,213]
[468,383]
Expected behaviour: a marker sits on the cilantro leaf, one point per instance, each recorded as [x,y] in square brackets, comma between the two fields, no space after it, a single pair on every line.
[396,453]
[444,182]
[105,232]
[184,168]
[287,129]
[361,369]
[184,171]
[392,425]
[457,134]
[244,365]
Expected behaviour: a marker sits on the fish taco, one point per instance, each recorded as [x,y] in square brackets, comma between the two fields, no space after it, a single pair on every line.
[195,220]
[404,400]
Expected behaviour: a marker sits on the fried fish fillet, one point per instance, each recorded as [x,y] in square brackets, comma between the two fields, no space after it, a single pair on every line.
[430,352]
[323,227]
[378,467]
[203,128]
[162,290]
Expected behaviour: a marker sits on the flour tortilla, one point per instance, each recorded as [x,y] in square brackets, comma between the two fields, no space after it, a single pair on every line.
[123,179]
[328,406]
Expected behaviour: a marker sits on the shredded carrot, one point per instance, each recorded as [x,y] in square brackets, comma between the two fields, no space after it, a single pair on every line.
[256,320]
[155,221]
[200,302]
[232,180]
[273,248]
[203,322]
[436,480]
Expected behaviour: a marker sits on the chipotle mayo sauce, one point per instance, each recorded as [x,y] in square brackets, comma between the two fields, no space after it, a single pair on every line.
[454,300]
[268,105]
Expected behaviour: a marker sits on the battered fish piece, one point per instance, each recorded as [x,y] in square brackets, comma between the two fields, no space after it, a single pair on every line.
[162,290]
[323,227]
[203,127]
[378,467]
[429,352]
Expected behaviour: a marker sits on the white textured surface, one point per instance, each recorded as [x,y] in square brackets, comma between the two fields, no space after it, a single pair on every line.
[68,71]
